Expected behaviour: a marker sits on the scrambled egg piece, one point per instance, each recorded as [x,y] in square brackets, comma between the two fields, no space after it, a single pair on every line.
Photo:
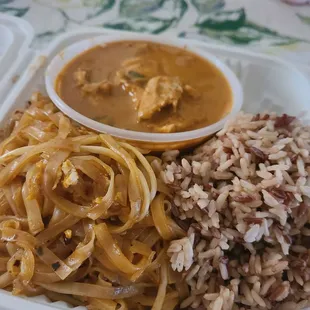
[58,178]
[71,176]
[36,178]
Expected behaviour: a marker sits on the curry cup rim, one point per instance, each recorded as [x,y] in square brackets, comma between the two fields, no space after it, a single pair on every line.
[70,52]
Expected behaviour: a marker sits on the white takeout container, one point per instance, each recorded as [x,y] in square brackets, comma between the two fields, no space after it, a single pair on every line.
[269,84]
[15,38]
[151,141]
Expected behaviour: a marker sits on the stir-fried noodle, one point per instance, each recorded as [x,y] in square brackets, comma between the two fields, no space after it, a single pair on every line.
[79,219]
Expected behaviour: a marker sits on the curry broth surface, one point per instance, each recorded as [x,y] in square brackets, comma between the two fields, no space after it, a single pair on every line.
[117,108]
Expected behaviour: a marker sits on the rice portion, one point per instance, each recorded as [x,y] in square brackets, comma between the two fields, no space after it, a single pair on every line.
[244,199]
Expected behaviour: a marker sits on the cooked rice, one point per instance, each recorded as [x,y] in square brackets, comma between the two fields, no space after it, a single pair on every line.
[245,198]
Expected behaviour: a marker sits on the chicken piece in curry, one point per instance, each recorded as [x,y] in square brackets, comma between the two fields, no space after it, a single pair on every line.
[145,86]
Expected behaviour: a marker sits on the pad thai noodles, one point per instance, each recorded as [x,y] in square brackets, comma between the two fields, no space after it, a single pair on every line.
[79,219]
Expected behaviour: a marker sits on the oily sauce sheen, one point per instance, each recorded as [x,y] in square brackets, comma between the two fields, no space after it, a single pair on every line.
[145,86]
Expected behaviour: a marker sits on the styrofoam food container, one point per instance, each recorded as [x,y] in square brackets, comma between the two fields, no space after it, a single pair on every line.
[7,40]
[15,37]
[269,83]
[152,141]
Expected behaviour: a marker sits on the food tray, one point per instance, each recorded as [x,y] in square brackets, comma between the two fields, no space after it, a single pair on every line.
[269,84]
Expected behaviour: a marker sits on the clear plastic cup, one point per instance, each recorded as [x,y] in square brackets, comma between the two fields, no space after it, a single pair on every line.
[151,141]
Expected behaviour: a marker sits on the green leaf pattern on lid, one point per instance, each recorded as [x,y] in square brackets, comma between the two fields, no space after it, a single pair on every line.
[239,22]
[304,19]
[149,16]
[204,6]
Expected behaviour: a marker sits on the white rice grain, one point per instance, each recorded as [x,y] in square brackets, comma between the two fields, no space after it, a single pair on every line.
[269,199]
[277,156]
[251,234]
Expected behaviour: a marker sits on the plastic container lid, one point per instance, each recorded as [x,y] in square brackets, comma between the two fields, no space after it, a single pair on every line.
[6,39]
[69,53]
[16,36]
